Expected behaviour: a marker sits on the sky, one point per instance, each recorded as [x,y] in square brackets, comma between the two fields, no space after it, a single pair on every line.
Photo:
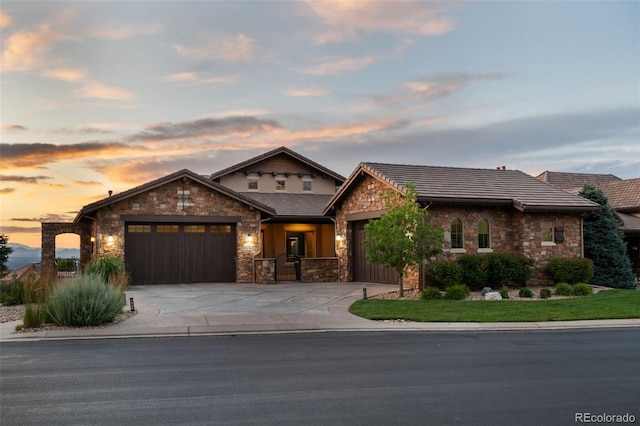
[99,96]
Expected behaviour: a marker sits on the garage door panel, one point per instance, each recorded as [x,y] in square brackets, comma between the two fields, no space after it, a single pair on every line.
[169,254]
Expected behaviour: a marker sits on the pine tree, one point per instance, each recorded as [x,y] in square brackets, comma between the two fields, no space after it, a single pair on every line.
[5,251]
[604,245]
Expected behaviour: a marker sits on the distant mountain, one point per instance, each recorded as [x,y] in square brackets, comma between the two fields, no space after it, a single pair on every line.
[24,255]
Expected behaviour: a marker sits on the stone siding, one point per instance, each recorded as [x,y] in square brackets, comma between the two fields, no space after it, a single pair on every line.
[510,231]
[319,269]
[164,200]
[265,270]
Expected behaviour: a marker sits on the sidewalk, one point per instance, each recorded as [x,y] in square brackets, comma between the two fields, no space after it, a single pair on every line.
[283,308]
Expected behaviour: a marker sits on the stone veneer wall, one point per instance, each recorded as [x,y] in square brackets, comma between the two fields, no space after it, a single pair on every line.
[265,271]
[164,201]
[318,269]
[49,233]
[510,231]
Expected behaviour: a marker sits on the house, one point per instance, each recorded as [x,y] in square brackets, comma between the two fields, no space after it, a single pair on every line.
[258,221]
[623,197]
[480,210]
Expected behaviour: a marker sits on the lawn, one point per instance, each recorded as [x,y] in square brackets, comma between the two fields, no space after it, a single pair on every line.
[610,304]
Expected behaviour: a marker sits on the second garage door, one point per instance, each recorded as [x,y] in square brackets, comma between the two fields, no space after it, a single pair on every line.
[180,253]
[364,271]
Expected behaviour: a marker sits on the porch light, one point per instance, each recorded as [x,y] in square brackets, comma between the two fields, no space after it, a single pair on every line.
[93,239]
[249,239]
[338,238]
[110,239]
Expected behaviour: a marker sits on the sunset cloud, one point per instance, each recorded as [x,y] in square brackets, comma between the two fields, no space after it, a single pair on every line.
[335,65]
[49,217]
[12,127]
[347,19]
[7,190]
[125,31]
[5,20]
[206,127]
[307,92]
[231,49]
[23,179]
[20,230]
[87,183]
[69,75]
[39,154]
[100,91]
[181,76]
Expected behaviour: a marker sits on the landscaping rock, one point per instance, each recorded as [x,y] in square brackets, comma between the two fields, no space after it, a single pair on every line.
[486,290]
[493,295]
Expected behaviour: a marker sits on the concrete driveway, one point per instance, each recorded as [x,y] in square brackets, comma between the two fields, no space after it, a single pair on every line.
[282,306]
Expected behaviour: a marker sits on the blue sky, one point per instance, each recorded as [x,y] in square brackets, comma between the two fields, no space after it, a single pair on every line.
[109,95]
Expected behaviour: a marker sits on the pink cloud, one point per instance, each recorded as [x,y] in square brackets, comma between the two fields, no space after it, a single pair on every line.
[125,31]
[335,65]
[231,49]
[100,91]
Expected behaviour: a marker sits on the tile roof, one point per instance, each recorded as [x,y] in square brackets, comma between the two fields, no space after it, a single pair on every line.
[292,205]
[473,186]
[630,224]
[272,153]
[623,195]
[185,173]
[565,180]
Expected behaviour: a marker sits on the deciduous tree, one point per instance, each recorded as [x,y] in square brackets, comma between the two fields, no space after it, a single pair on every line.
[403,236]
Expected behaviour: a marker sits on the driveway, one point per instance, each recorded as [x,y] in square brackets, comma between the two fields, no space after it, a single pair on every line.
[239,306]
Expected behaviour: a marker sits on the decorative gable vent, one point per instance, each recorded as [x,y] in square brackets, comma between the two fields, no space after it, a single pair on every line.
[184,199]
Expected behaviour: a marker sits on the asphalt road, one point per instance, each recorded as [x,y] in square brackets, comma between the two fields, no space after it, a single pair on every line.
[401,378]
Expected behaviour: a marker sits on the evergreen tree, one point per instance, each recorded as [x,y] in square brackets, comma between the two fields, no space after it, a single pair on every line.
[604,245]
[402,236]
[5,251]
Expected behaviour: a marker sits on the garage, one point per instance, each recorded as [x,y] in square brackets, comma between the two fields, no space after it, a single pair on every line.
[171,253]
[364,271]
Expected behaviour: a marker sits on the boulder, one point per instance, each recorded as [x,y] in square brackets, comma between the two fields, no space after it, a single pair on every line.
[486,290]
[493,295]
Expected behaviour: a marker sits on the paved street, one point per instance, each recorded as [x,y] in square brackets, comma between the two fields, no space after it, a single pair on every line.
[524,377]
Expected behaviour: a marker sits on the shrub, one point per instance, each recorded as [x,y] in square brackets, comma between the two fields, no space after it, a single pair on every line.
[475,271]
[86,300]
[106,266]
[582,289]
[12,292]
[504,292]
[457,292]
[545,293]
[66,265]
[570,270]
[525,292]
[505,268]
[448,272]
[431,293]
[35,314]
[564,289]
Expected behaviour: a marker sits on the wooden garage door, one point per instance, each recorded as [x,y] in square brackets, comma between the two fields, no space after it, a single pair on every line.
[362,270]
[180,253]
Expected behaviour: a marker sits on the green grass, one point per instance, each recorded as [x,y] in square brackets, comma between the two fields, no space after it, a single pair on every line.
[610,304]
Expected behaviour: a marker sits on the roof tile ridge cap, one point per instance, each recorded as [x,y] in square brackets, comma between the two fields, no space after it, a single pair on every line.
[386,179]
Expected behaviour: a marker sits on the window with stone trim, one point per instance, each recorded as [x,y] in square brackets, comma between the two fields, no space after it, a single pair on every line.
[457,234]
[548,234]
[484,239]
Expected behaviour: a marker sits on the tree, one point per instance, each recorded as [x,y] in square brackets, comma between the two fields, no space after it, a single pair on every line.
[604,245]
[5,251]
[402,237]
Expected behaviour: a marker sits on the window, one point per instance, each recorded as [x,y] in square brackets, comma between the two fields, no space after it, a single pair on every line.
[184,198]
[457,236]
[220,229]
[252,182]
[483,234]
[307,185]
[167,228]
[139,229]
[547,236]
[194,229]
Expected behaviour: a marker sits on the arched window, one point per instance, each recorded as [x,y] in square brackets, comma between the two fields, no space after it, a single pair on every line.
[457,235]
[483,234]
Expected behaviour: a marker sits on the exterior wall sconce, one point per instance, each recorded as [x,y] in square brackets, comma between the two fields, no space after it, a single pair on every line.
[110,240]
[249,239]
[338,238]
[93,239]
